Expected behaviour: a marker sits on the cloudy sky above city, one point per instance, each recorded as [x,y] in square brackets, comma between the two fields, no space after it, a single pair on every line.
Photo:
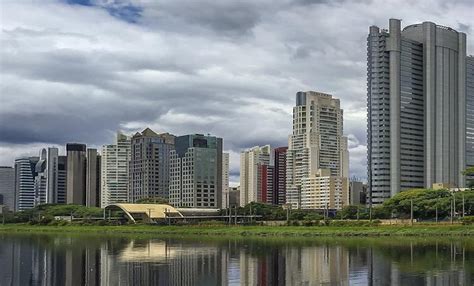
[78,71]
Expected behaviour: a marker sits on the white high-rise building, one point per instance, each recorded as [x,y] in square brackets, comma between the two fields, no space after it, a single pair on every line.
[225,180]
[256,175]
[115,171]
[316,143]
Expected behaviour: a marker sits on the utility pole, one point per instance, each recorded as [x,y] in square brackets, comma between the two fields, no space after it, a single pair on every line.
[463,210]
[452,212]
[250,213]
[149,215]
[436,210]
[357,212]
[411,212]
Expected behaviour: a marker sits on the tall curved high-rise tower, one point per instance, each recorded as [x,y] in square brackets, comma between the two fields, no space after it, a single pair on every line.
[416,87]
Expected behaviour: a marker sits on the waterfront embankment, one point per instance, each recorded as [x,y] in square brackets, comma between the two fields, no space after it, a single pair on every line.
[261,231]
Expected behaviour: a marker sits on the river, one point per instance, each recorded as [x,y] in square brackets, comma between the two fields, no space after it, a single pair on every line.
[73,259]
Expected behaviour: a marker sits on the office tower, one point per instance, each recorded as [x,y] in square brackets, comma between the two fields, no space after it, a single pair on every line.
[47,190]
[316,143]
[256,175]
[115,170]
[196,172]
[62,180]
[7,187]
[470,111]
[279,176]
[234,197]
[76,173]
[52,176]
[358,193]
[416,96]
[225,180]
[25,173]
[150,164]
[40,179]
[92,196]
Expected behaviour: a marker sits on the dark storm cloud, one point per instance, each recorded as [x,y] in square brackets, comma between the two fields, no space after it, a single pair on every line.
[81,71]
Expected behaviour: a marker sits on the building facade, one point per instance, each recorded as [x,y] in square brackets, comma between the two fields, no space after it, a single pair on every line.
[7,187]
[150,165]
[196,172]
[234,197]
[115,171]
[93,165]
[358,193]
[25,174]
[76,173]
[225,180]
[317,143]
[470,111]
[323,190]
[256,175]
[51,174]
[279,175]
[416,87]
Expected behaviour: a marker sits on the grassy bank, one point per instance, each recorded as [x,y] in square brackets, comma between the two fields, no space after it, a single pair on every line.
[269,231]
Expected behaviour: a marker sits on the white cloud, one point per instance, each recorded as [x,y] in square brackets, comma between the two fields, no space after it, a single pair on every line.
[78,73]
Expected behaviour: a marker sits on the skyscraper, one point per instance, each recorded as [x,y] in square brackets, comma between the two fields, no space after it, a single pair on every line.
[279,176]
[115,171]
[62,180]
[225,180]
[470,111]
[256,175]
[150,164]
[316,143]
[48,189]
[25,173]
[196,172]
[92,196]
[416,87]
[40,179]
[76,173]
[7,187]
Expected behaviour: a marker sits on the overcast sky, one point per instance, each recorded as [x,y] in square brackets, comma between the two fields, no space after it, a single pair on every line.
[78,71]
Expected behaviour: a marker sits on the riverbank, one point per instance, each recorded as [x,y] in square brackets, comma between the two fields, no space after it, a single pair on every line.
[260,231]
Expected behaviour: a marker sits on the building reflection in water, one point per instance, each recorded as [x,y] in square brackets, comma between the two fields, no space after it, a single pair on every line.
[83,260]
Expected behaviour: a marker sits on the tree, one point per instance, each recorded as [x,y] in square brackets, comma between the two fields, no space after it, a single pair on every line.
[153,200]
[469,173]
[427,201]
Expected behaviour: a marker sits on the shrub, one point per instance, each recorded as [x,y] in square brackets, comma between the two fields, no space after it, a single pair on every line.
[467,220]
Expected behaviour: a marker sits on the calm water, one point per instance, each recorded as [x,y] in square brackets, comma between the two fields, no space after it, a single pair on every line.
[98,260]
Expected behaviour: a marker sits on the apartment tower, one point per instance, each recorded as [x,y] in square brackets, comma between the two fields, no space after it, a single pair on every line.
[416,87]
[115,171]
[256,175]
[316,143]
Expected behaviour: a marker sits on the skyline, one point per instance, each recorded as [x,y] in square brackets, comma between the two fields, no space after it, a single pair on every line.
[173,58]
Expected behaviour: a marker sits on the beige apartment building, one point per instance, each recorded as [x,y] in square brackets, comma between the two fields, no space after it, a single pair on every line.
[317,143]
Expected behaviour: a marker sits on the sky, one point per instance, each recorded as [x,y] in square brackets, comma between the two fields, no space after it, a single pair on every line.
[79,70]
